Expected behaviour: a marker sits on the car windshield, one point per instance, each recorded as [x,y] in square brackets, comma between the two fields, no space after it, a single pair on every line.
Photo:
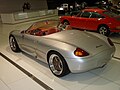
[44,24]
[111,14]
[39,28]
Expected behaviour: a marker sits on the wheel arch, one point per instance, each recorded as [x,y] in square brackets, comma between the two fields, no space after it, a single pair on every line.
[11,35]
[102,25]
[65,21]
[48,53]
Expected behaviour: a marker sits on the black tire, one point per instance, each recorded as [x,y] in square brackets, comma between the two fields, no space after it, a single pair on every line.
[61,27]
[13,44]
[57,64]
[66,22]
[103,29]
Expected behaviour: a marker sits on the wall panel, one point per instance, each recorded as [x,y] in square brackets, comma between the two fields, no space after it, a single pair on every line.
[16,5]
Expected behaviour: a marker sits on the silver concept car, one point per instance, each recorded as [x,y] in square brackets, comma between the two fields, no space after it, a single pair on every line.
[64,49]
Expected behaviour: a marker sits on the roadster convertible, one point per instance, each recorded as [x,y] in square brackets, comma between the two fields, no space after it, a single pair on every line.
[64,49]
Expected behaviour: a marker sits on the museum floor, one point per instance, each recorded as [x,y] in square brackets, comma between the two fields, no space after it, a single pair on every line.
[19,71]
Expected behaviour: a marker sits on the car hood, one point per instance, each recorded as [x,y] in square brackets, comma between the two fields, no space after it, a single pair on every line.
[82,39]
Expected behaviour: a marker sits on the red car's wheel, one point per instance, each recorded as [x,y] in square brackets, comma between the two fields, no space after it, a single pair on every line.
[104,30]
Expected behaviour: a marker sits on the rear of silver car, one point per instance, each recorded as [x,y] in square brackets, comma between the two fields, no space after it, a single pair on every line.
[87,63]
[97,48]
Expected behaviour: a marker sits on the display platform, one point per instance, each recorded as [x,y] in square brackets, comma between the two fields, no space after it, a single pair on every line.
[97,79]
[107,78]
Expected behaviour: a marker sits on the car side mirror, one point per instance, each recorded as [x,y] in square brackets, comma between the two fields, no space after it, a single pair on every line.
[23,31]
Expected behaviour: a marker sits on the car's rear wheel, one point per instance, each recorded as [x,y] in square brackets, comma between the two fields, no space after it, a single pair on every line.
[104,30]
[57,64]
[13,44]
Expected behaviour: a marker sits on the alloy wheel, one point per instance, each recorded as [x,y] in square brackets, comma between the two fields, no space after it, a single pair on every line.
[56,64]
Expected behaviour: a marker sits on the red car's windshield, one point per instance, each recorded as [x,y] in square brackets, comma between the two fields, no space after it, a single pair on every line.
[109,13]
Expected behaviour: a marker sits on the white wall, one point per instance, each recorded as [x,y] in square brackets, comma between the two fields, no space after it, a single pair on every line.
[16,5]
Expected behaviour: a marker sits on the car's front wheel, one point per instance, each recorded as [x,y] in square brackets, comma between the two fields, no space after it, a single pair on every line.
[57,64]
[104,30]
[13,44]
[66,22]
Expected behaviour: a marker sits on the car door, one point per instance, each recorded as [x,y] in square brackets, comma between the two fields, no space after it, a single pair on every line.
[29,43]
[93,21]
[81,21]
[75,21]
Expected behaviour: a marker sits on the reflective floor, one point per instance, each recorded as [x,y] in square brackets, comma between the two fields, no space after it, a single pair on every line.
[12,78]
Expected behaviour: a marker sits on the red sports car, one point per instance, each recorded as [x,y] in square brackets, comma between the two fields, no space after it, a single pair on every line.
[94,19]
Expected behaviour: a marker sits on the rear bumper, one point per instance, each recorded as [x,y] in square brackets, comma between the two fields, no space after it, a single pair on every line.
[85,64]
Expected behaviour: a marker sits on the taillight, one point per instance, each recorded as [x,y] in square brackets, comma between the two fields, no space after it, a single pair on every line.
[110,42]
[81,53]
